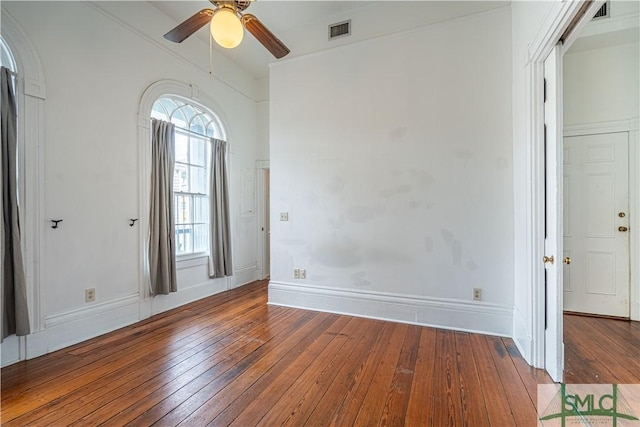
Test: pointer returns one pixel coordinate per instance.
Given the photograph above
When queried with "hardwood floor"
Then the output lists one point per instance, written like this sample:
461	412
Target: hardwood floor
233	360
601	351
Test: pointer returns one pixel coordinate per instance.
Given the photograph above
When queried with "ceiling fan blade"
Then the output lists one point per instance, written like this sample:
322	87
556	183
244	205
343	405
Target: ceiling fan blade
190	26
264	36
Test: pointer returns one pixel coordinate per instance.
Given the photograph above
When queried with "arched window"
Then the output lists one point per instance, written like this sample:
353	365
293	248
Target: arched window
6	58
15	309
195	125
19	55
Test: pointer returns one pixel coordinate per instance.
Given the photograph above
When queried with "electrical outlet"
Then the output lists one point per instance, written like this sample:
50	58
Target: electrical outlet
89	295
303	274
296	273
477	294
284	216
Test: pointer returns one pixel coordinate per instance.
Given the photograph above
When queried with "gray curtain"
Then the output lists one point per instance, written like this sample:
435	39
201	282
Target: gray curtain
220	240
15	316
162	253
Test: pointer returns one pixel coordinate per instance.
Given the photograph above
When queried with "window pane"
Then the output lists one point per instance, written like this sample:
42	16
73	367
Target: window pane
198	179
198	125
184	239
178	119
191	176
200	209
189	113
201	238
211	131
156	114
182	147
6	58
183	209
198	152
181	178
169	104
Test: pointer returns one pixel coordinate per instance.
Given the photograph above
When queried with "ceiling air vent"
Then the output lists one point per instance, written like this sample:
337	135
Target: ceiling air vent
603	12
340	29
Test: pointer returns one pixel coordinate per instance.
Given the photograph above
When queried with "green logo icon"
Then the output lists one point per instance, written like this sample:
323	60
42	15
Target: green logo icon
586	404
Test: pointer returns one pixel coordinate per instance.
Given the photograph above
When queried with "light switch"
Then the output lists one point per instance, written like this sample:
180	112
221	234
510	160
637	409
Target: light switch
284	216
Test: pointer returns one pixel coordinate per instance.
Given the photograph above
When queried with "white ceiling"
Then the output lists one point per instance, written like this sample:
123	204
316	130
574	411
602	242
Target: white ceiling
303	25
620	27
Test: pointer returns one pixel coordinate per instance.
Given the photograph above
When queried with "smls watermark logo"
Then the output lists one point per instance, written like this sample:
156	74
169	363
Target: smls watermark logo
616	405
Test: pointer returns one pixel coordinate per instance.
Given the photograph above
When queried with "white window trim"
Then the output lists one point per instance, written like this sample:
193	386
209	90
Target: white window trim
150	95
30	91
211	120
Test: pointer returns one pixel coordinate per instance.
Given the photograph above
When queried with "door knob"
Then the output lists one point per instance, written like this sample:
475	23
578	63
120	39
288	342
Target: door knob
566	260
548	259
623	228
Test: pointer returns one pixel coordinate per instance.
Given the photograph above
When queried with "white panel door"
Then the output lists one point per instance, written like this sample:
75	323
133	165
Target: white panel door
596	237
553	242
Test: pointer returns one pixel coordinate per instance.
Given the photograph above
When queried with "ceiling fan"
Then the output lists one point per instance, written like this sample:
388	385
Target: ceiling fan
227	22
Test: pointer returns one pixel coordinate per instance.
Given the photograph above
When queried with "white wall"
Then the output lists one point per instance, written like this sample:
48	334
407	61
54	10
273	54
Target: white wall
393	158
262	124
601	85
97	60
262	128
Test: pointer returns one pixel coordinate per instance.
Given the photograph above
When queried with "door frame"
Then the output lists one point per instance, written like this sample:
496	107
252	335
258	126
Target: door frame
261	217
564	21
634	209
632	128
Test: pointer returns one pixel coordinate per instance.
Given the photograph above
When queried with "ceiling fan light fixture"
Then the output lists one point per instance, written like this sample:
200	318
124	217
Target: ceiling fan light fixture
226	28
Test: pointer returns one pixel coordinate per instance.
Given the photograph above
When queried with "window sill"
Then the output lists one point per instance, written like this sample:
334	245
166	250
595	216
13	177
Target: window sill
192	260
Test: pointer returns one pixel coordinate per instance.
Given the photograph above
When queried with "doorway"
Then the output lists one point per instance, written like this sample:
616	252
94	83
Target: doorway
558	33
600	163
596	231
263	223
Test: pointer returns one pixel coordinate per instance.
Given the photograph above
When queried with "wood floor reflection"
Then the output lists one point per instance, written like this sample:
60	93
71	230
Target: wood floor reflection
233	360
601	351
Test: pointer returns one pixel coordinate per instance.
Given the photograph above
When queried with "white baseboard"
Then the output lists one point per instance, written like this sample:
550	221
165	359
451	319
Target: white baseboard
101	308
64	329
522	336
243	275
162	303
484	318
10	351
